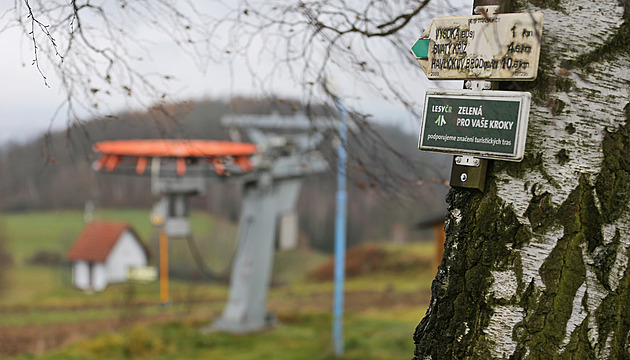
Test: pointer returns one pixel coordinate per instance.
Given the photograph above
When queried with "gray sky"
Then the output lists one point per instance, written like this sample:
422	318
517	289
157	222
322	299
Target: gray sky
27	105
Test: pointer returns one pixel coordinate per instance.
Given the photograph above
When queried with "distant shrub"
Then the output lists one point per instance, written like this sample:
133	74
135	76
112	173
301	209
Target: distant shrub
45	258
141	343
137	342
6	260
360	260
369	259
108	345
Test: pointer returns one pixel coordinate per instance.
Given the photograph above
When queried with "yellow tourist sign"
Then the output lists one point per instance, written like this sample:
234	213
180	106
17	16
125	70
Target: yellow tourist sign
494	47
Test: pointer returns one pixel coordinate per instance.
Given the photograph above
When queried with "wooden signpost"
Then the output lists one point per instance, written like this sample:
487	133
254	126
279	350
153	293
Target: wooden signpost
497	47
478	125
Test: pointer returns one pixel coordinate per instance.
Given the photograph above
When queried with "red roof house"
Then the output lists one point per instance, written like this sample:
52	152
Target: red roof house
103	254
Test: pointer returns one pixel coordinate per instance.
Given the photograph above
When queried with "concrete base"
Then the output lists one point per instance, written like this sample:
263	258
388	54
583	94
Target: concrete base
230	326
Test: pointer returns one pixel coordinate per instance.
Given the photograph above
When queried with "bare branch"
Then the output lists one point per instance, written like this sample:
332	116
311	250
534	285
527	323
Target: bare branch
96	50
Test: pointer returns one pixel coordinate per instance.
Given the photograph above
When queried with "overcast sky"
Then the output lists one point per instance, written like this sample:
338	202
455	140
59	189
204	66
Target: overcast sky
27	105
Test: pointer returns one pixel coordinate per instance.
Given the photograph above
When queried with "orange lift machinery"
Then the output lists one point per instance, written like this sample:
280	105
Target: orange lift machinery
179	169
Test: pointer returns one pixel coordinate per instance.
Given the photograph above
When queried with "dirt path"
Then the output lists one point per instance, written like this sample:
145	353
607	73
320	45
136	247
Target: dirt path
37	339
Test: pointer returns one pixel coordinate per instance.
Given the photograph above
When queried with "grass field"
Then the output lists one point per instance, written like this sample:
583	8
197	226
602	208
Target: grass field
301	337
42	317
56	231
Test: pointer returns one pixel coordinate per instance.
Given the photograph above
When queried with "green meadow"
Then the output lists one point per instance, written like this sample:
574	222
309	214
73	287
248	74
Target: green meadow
43	317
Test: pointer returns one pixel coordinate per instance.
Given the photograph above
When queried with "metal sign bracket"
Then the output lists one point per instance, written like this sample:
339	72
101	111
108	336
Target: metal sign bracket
469	172
478	85
465	160
487	9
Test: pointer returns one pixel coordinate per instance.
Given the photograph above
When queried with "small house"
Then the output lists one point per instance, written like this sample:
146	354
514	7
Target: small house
104	253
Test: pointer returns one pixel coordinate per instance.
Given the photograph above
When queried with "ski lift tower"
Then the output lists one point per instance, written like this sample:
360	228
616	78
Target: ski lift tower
286	154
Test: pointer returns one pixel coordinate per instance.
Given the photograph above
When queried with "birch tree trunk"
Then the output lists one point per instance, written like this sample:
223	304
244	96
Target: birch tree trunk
536	267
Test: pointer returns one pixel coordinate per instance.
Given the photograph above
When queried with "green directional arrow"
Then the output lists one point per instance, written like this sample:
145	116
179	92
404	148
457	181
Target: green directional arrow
421	48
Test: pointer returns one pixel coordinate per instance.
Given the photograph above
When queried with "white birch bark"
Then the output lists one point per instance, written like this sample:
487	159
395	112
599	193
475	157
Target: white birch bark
565	135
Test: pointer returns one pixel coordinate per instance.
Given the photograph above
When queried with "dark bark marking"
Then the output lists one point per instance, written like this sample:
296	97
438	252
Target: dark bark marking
613	183
617	45
464	277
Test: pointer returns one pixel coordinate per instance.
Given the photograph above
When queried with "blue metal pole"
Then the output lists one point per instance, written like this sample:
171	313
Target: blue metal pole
340	232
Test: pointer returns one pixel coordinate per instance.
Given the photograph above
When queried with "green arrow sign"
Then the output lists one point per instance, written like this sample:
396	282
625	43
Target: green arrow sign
421	48
485	124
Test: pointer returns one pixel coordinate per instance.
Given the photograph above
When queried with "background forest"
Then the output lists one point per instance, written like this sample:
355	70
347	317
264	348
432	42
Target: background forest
54	172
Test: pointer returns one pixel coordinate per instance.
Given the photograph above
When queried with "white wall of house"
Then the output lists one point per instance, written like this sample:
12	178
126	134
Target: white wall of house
85	278
127	253
81	274
99	276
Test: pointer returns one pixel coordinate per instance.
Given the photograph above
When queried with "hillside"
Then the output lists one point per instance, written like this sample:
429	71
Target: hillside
54	172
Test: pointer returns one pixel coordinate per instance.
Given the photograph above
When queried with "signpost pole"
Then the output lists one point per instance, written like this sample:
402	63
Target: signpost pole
504	4
340	233
463	174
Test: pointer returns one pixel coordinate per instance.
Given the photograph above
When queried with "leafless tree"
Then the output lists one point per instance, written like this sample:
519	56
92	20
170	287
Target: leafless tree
97	51
94	50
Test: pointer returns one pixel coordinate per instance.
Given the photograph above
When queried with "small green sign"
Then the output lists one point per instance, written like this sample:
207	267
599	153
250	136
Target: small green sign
421	48
485	124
